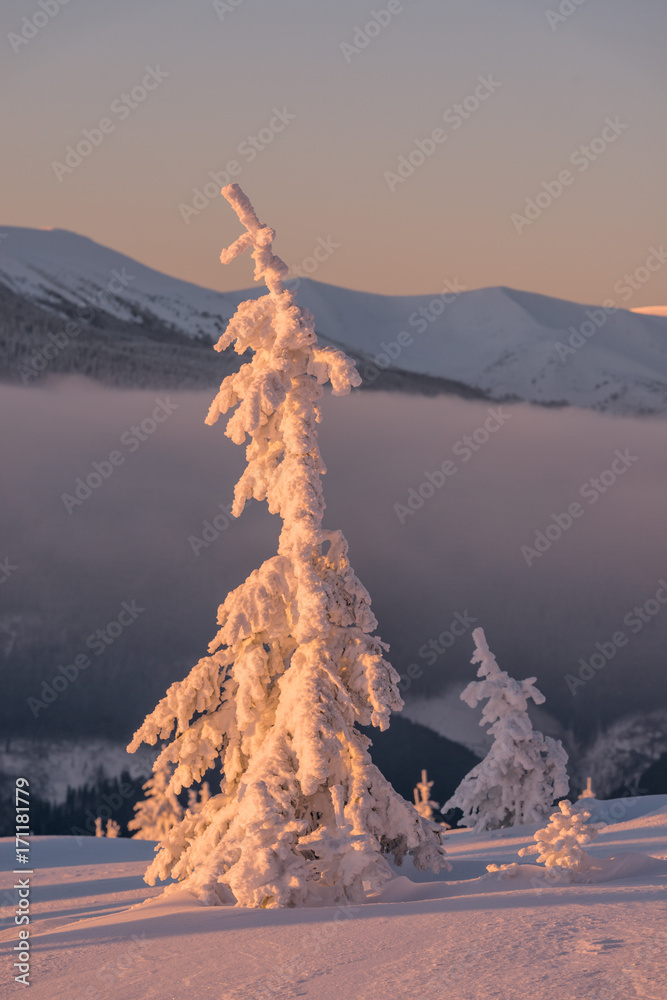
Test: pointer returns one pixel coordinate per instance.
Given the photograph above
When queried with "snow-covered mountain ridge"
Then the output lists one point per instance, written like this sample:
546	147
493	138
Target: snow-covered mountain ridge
496	342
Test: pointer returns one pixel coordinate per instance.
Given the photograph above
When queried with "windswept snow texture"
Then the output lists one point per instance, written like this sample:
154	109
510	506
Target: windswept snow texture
99	933
496	341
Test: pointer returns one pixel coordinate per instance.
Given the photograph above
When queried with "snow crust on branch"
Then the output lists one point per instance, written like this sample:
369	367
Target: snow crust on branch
524	771
303	815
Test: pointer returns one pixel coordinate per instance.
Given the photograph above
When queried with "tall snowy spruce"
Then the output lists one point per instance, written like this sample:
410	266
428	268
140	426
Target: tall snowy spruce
303	816
524	771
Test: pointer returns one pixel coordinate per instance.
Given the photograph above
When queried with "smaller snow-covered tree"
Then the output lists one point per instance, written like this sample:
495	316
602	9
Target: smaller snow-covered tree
159	812
558	845
112	828
588	792
524	771
423	803
197	800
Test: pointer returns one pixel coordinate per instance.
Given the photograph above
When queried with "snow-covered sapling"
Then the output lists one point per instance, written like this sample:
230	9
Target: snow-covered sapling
112	828
423	802
302	815
524	771
559	845
197	800
159	811
588	792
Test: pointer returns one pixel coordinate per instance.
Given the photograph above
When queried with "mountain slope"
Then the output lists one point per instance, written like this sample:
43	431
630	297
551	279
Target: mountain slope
493	343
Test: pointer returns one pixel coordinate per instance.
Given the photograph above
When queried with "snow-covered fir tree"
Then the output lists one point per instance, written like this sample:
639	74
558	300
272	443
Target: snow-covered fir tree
423	802
159	811
588	792
303	815
112	828
524	771
559	844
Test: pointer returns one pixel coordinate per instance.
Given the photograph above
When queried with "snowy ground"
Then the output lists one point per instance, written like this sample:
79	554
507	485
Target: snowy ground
97	931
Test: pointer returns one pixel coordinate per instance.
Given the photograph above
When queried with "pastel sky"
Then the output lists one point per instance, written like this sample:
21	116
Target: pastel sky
333	106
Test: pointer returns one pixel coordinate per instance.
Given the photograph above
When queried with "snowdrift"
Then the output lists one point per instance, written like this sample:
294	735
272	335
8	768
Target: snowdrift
98	931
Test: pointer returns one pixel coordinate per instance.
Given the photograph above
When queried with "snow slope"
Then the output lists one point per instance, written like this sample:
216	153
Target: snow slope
53	265
496	341
98	931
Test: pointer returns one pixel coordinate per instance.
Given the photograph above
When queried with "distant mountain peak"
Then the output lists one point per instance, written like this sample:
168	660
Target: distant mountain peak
497	342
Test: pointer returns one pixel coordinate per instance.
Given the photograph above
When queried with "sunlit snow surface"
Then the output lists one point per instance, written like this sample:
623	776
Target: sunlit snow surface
99	931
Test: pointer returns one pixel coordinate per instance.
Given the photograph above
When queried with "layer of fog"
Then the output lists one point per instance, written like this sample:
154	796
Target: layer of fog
459	553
